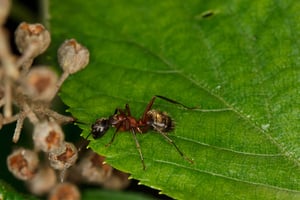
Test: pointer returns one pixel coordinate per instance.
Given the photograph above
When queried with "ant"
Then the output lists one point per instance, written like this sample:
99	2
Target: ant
151	119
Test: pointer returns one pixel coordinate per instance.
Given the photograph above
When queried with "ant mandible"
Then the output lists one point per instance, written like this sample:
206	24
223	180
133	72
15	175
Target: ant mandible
151	119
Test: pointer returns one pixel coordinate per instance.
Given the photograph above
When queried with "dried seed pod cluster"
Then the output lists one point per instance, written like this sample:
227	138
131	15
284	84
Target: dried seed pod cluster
32	88
26	92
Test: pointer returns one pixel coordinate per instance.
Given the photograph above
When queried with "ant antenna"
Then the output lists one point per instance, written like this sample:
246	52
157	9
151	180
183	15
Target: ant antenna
175	102
83	142
193	108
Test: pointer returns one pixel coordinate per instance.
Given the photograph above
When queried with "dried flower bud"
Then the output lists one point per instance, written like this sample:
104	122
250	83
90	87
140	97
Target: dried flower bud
4	10
64	157
119	180
93	170
22	163
64	191
72	56
43	181
48	136
40	83
32	37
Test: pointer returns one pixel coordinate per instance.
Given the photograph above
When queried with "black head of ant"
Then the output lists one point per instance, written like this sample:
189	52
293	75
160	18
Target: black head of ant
100	127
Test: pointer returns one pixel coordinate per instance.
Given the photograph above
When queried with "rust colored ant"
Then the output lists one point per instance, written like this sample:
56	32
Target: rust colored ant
151	119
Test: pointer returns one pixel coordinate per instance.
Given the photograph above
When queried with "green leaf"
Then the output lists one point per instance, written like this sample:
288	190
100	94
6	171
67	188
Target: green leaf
237	60
8	193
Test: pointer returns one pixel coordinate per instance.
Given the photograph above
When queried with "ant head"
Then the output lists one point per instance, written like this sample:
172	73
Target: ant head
100	127
160	121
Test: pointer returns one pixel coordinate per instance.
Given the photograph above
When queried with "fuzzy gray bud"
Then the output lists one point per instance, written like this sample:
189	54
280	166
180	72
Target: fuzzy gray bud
72	56
32	37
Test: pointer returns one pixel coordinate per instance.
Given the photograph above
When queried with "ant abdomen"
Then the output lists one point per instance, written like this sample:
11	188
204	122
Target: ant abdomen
160	121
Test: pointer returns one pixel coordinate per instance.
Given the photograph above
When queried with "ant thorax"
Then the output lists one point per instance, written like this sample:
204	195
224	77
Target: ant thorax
117	119
160	121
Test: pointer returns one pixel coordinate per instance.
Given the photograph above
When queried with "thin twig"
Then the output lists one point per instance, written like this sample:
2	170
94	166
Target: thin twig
7	98
62	78
26	60
30	114
8	120
2	102
19	126
61	119
8	63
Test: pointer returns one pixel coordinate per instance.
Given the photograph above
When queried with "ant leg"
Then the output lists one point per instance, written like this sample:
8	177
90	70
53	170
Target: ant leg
144	116
113	138
128	110
138	147
176	147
